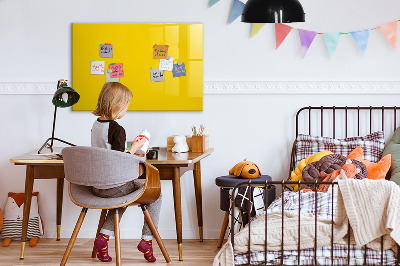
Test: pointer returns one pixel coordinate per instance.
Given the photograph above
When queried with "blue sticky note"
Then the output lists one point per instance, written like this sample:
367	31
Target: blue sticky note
178	70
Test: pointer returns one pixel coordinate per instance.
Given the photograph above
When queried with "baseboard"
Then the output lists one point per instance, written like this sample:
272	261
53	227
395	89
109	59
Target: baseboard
245	87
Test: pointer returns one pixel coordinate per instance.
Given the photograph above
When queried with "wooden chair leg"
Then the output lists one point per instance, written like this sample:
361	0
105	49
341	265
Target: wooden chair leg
101	222
117	238
73	237
223	229
154	230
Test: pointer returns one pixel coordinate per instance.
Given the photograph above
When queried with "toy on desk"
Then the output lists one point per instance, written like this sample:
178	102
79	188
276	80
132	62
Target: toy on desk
144	134
180	144
13	216
245	169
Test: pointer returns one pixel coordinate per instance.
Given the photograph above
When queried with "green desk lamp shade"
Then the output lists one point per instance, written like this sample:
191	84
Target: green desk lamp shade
63	97
272	11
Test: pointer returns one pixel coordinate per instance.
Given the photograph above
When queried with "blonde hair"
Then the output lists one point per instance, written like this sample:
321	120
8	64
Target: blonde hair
113	97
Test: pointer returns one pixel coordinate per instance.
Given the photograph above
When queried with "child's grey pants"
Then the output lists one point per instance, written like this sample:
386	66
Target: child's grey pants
154	208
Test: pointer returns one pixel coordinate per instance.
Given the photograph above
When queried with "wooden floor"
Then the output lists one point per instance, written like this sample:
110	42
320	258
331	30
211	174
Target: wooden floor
50	252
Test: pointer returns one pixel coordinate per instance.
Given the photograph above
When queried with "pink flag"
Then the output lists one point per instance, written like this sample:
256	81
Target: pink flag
389	30
306	39
281	31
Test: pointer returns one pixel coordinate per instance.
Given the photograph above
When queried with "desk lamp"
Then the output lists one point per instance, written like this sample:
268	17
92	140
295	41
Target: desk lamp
63	97
273	11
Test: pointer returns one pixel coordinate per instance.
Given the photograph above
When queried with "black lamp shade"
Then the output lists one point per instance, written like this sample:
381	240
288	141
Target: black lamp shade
273	11
60	101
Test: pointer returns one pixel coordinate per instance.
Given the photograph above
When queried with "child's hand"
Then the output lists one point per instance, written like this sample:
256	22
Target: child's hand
142	155
137	144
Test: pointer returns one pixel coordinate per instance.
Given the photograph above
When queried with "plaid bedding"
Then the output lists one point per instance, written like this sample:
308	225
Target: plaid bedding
323	207
372	145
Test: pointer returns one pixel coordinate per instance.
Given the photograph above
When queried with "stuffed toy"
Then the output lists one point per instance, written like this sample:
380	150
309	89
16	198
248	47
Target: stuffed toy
375	170
296	174
13	215
245	169
180	144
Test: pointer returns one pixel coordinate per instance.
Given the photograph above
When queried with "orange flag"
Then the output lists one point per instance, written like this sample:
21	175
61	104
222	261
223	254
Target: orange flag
389	30
281	31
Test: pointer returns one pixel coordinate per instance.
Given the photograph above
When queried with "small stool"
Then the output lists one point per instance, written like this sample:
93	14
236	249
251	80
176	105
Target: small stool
226	183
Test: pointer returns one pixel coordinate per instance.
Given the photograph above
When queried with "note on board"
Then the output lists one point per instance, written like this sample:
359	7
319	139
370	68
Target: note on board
106	50
156	75
179	70
167	64
110	79
160	51
117	70
97	67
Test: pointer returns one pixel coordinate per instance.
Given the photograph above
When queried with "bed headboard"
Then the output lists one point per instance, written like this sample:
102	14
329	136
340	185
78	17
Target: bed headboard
344	121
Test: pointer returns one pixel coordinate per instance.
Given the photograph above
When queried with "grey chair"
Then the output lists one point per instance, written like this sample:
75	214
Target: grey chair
85	167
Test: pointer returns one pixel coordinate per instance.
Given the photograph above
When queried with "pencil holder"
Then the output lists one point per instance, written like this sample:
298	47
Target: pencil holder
200	143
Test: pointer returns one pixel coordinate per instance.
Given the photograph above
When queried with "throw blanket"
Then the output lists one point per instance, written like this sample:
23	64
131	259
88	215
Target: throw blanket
371	206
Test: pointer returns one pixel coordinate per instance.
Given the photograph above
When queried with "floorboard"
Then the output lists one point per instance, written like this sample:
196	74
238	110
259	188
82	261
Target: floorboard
50	252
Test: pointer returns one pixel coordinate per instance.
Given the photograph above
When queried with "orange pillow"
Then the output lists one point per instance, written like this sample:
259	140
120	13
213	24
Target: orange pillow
375	170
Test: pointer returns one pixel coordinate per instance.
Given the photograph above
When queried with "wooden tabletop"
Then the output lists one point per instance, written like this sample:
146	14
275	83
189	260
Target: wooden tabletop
164	157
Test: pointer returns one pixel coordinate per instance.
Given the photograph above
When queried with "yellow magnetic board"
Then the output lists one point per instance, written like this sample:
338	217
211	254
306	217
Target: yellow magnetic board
133	47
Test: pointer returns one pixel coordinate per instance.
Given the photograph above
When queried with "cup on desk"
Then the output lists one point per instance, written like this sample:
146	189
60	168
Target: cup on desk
152	155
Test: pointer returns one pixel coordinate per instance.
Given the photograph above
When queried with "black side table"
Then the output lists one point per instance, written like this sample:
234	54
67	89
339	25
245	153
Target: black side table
226	183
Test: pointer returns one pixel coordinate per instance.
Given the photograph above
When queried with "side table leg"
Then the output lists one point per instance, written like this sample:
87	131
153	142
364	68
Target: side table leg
27	206
176	184
223	229
60	191
199	204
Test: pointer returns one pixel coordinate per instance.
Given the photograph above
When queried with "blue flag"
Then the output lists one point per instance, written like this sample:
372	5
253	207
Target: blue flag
332	41
237	9
213	2
361	38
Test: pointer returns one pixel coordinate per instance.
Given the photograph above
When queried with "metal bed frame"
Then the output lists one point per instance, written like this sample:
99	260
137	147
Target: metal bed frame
283	184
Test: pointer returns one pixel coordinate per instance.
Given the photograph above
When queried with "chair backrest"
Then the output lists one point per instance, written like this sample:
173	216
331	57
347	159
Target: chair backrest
92	166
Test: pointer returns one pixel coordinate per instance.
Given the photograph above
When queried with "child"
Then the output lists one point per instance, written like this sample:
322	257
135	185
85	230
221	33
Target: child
106	133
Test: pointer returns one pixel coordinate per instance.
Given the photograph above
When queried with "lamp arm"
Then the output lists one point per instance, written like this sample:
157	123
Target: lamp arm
54	126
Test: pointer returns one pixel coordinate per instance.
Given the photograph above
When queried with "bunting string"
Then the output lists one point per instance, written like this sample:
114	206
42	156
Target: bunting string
361	37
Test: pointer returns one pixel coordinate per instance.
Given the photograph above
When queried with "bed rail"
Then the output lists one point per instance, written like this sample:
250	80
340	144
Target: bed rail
342	119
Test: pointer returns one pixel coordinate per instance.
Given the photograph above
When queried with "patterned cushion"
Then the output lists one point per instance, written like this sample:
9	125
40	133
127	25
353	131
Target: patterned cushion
372	144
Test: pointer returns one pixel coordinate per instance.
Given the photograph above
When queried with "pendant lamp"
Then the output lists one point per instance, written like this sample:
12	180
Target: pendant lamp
273	11
63	97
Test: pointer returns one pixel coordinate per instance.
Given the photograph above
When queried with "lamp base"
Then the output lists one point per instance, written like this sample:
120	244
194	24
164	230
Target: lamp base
50	146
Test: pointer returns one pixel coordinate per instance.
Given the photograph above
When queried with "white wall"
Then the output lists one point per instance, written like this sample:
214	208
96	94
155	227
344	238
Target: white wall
36	47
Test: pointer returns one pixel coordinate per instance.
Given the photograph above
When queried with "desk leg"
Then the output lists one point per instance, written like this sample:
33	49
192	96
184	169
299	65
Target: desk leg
176	182
60	190
199	204
27	206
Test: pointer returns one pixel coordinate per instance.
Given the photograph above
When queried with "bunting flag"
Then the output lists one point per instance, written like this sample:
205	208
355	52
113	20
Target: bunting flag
389	30
361	37
256	27
213	2
281	31
306	39
237	9
332	41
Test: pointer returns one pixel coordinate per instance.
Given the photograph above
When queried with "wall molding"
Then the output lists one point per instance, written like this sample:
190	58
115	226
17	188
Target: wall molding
246	87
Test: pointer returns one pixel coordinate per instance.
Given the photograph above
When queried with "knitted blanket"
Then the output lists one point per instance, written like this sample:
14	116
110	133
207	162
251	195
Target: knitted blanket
371	207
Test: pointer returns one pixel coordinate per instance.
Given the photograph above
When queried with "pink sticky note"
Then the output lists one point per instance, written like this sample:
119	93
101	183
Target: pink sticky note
117	70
